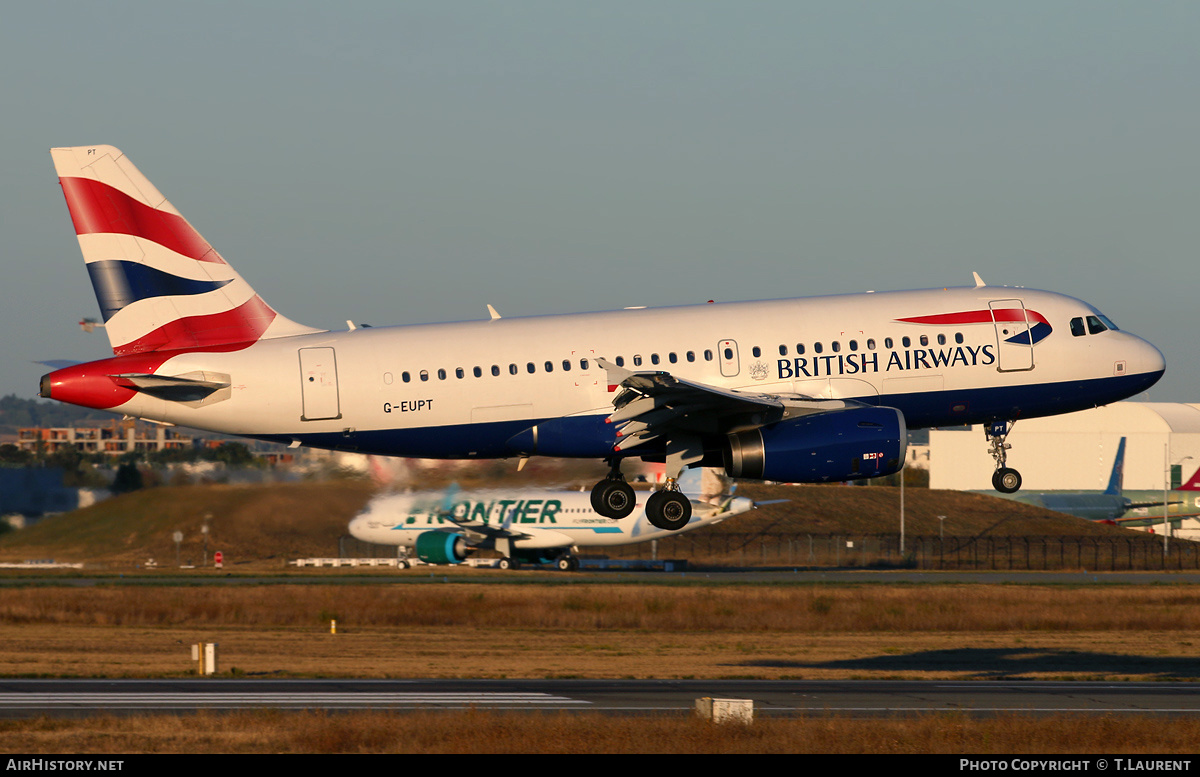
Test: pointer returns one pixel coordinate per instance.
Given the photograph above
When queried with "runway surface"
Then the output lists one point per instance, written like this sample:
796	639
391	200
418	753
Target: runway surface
74	698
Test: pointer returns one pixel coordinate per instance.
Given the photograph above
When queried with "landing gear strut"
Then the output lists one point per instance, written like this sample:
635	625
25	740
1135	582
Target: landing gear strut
613	497
1004	479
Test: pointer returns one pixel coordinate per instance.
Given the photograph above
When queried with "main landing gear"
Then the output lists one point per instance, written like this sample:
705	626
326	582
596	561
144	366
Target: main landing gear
1004	479
668	509
613	497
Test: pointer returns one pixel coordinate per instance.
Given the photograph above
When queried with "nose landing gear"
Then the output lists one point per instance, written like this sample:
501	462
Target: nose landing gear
1005	479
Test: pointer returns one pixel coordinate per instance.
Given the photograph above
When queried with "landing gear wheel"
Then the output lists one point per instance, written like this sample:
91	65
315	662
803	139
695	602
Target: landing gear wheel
566	564
668	510
507	563
613	499
1006	481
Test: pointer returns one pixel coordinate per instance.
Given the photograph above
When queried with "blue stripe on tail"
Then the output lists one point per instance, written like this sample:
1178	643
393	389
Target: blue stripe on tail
119	283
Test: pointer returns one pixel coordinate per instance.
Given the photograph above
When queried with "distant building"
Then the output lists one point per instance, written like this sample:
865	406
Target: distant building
116	439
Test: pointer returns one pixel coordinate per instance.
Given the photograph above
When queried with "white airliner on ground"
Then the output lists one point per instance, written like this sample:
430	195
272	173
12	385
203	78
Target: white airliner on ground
801	390
532	526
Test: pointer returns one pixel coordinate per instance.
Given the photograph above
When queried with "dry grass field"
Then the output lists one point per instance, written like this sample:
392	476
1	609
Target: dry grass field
503	630
478	732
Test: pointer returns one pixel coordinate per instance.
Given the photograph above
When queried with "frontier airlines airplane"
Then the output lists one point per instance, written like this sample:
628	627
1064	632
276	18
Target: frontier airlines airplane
800	390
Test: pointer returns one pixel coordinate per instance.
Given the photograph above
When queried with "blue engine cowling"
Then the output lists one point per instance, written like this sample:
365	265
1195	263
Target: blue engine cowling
439	547
856	442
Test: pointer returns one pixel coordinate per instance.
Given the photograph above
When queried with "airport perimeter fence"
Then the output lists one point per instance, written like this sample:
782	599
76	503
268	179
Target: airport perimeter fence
924	552
882	551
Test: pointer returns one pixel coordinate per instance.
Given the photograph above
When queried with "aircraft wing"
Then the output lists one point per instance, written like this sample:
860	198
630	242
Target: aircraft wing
478	532
653	404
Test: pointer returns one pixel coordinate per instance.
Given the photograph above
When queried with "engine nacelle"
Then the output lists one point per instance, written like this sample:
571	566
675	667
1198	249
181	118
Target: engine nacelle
439	547
857	442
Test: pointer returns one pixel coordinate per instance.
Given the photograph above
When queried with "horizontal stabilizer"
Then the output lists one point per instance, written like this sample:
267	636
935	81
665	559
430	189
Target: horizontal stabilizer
191	387
58	364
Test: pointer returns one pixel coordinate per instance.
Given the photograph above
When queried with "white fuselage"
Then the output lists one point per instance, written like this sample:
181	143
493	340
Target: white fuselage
462	390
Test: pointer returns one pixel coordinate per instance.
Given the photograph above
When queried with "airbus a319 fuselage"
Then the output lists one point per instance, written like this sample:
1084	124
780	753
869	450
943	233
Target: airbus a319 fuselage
798	390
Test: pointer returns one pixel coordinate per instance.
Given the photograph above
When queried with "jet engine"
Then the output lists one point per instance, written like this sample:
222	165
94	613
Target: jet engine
439	547
856	442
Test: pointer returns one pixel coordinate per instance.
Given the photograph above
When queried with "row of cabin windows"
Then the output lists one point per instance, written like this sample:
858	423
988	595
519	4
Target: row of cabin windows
513	369
548	366
673	358
852	345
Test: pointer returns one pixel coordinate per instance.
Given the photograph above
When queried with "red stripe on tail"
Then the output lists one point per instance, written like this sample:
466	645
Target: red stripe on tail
97	208
230	330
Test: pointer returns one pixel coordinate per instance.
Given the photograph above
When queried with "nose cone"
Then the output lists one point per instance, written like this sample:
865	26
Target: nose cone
358	527
1145	362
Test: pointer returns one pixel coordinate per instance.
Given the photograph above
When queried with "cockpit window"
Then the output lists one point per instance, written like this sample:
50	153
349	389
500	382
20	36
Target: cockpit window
1095	326
1077	327
1107	322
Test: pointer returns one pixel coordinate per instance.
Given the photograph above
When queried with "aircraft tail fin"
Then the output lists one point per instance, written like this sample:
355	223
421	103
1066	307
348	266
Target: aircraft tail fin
160	285
1193	483
1116	480
704	484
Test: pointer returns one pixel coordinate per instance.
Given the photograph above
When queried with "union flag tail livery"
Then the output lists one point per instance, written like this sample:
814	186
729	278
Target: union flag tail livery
794	390
160	285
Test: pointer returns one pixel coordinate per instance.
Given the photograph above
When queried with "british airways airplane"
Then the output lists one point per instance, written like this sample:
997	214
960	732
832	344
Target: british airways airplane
799	390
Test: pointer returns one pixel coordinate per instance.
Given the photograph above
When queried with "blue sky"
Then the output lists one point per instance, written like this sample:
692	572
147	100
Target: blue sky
405	162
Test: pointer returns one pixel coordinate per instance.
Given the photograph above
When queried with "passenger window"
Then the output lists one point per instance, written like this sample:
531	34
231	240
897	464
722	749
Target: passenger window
404	376
637	360
566	365
441	374
530	368
853	345
728	354
671	357
799	349
887	342
620	361
424	375
495	370
817	347
691	356
836	346
654	358
941	339
708	355
756	351
783	350
549	366
870	344
512	369
905	341
958	338
924	339
477	372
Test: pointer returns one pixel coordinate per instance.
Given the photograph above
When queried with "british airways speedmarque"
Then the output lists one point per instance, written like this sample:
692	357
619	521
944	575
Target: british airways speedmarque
799	390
